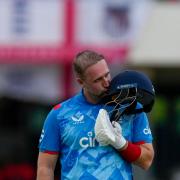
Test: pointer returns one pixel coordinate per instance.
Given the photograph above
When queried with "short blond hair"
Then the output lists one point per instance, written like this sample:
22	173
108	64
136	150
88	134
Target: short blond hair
85	59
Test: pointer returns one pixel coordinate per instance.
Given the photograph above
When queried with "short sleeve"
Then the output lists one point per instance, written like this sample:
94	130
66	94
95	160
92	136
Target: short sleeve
50	135
141	129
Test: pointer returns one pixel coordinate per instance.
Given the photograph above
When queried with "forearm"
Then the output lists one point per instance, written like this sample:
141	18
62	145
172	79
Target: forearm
46	166
146	158
44	173
140	155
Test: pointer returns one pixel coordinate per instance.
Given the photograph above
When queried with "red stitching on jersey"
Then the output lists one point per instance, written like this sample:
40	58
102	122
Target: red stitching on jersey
51	152
57	106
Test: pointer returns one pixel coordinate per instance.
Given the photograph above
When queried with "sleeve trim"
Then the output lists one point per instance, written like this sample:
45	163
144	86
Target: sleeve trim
50	152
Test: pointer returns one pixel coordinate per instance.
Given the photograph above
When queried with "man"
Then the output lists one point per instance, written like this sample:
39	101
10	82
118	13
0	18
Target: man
68	132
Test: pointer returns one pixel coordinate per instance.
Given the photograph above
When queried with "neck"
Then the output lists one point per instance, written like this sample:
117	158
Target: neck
91	98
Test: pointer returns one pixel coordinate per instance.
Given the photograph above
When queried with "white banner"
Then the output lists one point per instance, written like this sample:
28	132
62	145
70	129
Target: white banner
109	23
34	22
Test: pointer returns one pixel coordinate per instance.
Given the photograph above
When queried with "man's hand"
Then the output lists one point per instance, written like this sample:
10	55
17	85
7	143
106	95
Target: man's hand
107	133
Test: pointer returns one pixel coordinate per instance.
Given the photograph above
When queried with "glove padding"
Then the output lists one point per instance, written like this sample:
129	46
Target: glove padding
107	133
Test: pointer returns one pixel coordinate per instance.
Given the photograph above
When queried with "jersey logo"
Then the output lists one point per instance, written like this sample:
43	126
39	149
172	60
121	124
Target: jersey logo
147	130
78	118
88	141
42	136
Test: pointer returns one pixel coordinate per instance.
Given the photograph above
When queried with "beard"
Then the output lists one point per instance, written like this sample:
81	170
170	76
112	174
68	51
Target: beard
100	96
103	94
95	97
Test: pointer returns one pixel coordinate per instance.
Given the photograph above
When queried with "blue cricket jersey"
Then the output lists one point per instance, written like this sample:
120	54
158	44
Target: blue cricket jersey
69	131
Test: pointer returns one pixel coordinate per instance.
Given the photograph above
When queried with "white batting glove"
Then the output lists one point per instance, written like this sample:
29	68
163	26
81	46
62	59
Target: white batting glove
107	133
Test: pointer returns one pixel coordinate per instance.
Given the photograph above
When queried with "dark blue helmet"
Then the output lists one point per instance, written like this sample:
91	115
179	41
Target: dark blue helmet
131	87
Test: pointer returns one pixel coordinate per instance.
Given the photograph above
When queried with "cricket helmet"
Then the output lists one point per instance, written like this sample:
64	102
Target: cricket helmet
130	87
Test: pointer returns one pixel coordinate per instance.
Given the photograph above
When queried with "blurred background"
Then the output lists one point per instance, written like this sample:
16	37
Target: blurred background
38	41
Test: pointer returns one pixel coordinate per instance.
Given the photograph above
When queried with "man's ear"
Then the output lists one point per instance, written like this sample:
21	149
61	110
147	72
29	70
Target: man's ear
80	81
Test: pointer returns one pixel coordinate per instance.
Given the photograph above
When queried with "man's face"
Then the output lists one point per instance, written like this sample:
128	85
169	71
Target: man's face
96	81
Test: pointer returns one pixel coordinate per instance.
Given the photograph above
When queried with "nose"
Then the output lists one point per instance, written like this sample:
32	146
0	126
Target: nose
106	82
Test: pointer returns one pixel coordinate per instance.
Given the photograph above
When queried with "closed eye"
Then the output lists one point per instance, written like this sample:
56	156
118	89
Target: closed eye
100	78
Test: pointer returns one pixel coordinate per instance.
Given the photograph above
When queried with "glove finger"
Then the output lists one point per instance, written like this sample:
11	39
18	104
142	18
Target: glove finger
103	124
100	120
117	127
103	138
